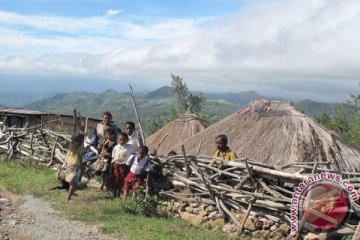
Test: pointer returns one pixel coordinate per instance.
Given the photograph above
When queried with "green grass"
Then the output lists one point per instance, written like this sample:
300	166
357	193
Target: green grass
93	206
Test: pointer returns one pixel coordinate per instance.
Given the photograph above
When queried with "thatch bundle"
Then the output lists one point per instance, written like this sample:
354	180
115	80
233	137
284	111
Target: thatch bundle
175	132
275	133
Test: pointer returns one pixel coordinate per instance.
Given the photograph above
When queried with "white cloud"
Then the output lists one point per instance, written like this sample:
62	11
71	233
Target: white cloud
112	12
293	48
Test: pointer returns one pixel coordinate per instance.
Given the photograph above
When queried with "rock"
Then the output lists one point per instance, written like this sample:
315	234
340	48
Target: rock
239	215
231	228
284	229
192	218
214	215
210	209
273	228
189	209
194	205
261	234
311	236
218	223
4	201
252	218
250	225
259	225
278	237
177	205
162	210
13	222
270	222
203	213
183	206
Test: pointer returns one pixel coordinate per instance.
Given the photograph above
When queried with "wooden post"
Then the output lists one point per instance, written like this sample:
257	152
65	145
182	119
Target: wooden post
185	161
137	116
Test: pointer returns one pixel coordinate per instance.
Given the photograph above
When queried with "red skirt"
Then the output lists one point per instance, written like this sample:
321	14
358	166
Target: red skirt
120	172
132	180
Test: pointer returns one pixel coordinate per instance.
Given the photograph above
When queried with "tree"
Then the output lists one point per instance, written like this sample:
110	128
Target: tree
345	121
184	97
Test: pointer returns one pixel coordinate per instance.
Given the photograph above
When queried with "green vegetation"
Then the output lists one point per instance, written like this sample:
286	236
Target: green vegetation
96	207
154	111
184	97
160	106
345	121
312	108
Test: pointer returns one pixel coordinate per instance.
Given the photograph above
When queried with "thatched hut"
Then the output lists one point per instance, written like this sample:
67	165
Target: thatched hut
175	132
277	134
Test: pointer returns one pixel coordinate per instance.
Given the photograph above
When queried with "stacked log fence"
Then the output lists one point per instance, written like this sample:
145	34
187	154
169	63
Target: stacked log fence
244	185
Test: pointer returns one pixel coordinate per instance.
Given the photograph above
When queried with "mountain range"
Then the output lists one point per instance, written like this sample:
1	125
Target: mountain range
157	106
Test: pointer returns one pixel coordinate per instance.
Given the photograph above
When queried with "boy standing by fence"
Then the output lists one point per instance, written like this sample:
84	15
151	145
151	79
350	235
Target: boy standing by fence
139	169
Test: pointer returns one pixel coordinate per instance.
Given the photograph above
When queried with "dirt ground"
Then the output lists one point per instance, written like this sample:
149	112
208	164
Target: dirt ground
28	218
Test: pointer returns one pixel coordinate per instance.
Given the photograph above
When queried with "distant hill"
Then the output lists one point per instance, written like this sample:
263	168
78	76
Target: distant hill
312	108
155	107
150	105
163	92
242	98
18	99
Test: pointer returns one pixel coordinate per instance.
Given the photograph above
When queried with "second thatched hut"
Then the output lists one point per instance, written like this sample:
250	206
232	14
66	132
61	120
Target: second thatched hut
175	132
275	133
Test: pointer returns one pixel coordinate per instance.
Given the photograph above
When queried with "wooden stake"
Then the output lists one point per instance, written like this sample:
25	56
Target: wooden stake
137	116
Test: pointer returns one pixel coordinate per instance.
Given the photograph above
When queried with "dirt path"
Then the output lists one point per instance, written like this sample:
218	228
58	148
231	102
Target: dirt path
28	218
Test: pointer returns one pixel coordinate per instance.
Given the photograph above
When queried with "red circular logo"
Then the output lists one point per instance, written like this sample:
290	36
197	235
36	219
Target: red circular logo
325	205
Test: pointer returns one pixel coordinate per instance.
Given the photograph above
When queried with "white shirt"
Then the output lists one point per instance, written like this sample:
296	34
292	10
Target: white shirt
121	153
134	139
136	167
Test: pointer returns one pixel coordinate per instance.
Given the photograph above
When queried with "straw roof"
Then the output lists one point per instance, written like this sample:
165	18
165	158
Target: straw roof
175	132
277	134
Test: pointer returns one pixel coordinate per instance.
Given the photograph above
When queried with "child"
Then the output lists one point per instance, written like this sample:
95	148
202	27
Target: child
132	134
73	158
120	154
139	169
105	147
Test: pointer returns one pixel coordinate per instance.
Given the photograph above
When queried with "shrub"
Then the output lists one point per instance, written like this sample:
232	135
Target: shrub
142	205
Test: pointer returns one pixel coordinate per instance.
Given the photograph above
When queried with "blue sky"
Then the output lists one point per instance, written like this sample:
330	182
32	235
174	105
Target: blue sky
288	48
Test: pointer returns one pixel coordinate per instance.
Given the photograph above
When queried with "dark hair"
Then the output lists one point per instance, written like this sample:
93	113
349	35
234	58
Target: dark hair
143	149
107	113
124	135
223	138
109	130
130	124
76	141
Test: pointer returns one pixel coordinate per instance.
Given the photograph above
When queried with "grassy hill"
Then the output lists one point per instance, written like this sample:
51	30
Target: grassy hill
156	108
312	108
153	110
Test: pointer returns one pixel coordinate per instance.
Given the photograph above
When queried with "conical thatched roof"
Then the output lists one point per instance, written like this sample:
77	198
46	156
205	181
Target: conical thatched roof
277	134
178	130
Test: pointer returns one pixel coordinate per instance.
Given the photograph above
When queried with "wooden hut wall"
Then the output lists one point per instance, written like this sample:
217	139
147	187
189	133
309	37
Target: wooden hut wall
65	123
20	120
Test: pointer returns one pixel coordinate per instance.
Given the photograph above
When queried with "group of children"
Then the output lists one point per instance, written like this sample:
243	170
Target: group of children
122	161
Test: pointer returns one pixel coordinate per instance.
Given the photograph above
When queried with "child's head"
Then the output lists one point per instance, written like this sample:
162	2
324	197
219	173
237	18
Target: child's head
221	142
129	128
110	133
77	140
142	151
122	138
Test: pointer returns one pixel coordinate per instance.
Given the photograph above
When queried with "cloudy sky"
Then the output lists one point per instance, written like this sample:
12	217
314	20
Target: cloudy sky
288	48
